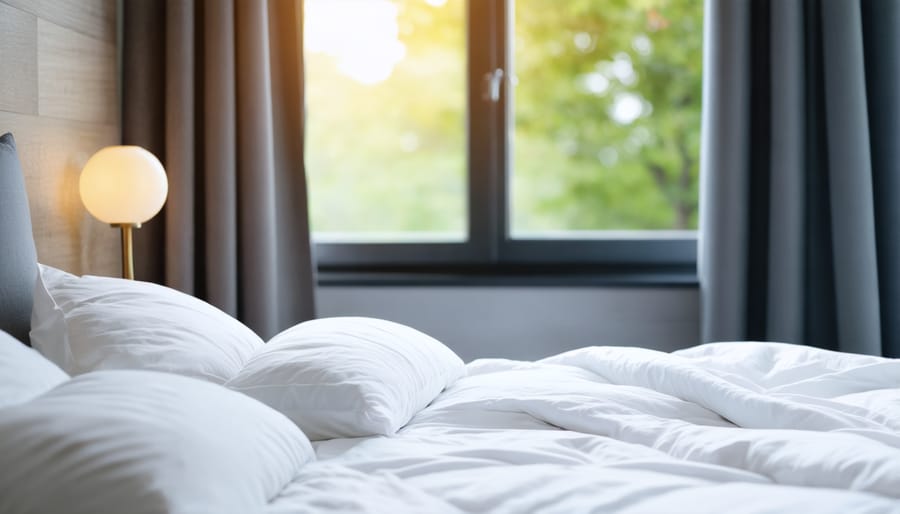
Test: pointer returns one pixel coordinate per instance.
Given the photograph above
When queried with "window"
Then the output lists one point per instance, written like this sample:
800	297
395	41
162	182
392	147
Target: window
503	132
386	95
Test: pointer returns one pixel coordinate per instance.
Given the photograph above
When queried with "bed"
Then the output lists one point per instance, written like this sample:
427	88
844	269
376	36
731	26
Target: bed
728	427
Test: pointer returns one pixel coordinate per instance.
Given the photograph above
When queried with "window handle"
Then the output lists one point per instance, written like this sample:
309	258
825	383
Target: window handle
493	84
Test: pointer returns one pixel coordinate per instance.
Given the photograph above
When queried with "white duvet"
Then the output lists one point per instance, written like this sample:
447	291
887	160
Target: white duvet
736	428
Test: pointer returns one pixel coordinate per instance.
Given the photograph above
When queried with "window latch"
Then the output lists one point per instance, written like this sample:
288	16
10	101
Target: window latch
493	83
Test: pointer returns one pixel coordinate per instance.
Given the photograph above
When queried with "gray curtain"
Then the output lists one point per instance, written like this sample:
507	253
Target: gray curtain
800	166
215	89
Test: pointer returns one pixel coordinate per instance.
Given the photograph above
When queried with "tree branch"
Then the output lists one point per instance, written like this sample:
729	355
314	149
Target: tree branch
663	182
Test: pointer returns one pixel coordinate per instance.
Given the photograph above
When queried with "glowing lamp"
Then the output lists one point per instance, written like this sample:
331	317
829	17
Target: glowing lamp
124	186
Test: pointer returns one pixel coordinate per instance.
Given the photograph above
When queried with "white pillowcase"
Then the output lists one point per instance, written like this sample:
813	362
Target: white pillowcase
24	373
145	442
349	377
90	323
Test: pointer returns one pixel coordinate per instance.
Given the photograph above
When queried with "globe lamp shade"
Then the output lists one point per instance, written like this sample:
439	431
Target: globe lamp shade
123	185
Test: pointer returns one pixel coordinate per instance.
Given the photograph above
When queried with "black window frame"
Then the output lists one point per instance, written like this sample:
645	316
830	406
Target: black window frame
490	248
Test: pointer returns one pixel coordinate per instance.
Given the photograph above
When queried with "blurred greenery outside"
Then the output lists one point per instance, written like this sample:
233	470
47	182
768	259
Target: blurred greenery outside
606	110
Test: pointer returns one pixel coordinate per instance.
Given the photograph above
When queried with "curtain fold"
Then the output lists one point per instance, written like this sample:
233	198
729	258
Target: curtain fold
799	175
215	89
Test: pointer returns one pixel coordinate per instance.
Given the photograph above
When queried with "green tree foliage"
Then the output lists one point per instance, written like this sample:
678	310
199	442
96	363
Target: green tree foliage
585	159
606	120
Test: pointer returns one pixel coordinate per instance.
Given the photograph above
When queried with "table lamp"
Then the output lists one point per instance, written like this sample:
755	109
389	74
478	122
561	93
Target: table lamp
124	186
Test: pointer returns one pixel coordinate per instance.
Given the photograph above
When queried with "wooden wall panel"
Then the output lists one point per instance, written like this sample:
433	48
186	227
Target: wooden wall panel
95	18
18	55
75	82
53	153
71	111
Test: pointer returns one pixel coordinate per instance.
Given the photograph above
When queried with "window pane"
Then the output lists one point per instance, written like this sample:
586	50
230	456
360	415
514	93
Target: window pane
607	116
385	96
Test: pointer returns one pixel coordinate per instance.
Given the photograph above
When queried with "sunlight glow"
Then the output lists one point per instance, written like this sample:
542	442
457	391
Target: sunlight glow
622	69
627	108
361	35
595	83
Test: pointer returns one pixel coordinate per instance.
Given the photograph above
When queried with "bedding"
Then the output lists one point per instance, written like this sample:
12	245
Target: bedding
145	442
732	427
736	427
90	323
349	377
24	373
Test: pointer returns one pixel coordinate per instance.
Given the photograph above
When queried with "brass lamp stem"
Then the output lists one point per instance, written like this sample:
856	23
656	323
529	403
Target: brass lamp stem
127	253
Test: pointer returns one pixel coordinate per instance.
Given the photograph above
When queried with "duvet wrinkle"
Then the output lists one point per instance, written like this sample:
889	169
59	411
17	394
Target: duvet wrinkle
752	428
628	410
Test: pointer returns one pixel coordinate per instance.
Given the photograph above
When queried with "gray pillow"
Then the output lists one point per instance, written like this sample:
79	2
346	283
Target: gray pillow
18	259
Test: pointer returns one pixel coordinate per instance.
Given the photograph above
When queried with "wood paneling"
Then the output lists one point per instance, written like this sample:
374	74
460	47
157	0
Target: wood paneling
94	18
53	153
75	82
69	112
18	55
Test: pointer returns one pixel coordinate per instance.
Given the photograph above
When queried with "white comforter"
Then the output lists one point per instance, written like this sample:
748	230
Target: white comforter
737	428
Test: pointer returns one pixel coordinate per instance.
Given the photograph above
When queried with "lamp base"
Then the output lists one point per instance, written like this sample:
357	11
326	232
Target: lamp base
127	246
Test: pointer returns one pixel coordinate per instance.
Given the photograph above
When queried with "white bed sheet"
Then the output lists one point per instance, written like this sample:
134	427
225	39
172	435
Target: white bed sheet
737	428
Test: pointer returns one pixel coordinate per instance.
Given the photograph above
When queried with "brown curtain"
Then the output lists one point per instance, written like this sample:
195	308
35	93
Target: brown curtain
215	89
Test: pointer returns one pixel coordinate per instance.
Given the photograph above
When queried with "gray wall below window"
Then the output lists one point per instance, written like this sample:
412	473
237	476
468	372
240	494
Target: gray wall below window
528	322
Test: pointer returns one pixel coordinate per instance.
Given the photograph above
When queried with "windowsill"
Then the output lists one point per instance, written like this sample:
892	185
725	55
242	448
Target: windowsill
530	276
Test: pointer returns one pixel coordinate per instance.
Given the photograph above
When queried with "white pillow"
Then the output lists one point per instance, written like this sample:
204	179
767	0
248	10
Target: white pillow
349	377
89	323
145	442
24	373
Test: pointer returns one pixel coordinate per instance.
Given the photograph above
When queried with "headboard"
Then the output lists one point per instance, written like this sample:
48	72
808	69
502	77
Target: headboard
18	258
